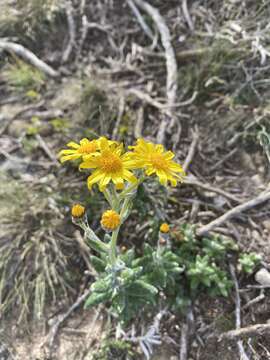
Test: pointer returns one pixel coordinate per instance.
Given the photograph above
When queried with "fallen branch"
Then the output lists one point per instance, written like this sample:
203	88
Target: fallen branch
248	331
263	197
171	64
28	56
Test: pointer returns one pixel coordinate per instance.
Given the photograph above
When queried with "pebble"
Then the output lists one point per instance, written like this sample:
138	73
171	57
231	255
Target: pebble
263	277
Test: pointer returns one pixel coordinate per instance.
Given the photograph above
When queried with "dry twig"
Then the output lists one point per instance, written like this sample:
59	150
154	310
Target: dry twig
192	149
139	123
192	180
248	331
72	32
46	149
28	56
140	19
186	15
171	65
263	197
243	355
185	333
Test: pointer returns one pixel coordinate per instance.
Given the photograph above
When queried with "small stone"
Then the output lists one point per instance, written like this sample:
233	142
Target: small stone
266	224
263	277
257	180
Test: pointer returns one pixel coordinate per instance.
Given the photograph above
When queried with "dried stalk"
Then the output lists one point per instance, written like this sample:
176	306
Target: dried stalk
171	65
28	56
263	197
72	32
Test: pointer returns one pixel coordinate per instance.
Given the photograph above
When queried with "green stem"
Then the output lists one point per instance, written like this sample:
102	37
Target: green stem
108	197
132	187
115	200
113	244
93	237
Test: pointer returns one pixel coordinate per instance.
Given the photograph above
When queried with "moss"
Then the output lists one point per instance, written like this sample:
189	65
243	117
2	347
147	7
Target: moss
24	78
60	125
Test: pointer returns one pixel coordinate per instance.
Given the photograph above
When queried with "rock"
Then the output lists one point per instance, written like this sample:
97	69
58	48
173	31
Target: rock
263	277
257	180
266	224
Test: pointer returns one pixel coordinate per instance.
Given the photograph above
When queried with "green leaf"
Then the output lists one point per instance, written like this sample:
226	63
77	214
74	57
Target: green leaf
97	298
147	287
98	264
102	285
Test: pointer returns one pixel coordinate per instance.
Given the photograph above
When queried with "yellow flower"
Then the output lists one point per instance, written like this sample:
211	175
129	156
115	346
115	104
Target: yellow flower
154	159
77	211
110	220
110	165
164	228
86	147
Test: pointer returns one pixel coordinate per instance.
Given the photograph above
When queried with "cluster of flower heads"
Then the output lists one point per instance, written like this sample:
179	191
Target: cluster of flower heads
110	163
110	219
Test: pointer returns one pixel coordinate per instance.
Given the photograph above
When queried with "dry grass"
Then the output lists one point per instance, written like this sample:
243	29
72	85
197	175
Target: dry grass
34	264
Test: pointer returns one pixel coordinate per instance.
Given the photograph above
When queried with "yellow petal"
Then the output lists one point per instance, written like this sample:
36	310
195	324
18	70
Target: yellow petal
129	176
84	141
68	152
89	164
104	182
69	157
94	178
73	145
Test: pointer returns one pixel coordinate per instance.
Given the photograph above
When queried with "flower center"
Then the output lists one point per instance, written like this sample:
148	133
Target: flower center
158	162
87	148
111	163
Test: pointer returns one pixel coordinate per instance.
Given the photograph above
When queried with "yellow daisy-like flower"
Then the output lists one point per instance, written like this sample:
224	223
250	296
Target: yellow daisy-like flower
77	151
110	220
154	159
110	164
164	228
77	211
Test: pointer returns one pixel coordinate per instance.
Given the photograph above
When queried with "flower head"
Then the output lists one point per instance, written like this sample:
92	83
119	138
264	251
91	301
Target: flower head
110	164
154	159
164	228
76	151
77	211
110	220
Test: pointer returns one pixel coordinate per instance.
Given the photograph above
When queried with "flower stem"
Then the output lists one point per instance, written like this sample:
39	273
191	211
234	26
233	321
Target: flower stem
108	197
113	244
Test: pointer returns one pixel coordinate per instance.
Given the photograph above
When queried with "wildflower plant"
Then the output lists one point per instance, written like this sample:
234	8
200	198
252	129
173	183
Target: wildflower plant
178	267
129	282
